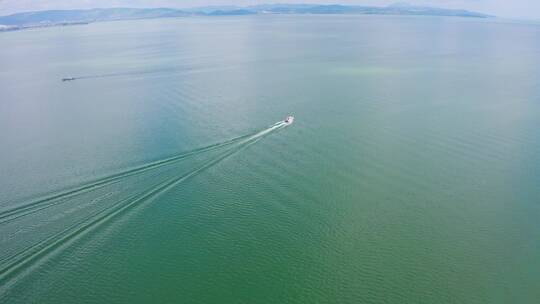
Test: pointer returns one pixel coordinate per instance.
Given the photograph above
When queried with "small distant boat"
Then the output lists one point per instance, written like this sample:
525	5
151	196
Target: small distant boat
289	120
68	79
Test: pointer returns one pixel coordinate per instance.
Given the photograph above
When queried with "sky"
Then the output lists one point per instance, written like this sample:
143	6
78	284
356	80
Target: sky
525	9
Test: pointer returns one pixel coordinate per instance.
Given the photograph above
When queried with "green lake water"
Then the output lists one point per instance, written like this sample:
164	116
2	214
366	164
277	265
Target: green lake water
161	174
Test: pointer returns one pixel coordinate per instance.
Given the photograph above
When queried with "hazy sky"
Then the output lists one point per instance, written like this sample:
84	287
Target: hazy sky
505	8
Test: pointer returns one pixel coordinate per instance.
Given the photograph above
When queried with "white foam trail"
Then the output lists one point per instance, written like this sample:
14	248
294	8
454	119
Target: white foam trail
23	261
54	199
273	127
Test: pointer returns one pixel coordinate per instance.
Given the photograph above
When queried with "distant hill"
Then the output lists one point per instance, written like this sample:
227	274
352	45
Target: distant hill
394	9
68	17
91	15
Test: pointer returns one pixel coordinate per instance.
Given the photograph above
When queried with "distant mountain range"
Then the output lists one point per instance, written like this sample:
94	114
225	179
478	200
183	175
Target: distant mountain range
70	17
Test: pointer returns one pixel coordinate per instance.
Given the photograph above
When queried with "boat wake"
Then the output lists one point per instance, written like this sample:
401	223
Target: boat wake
156	71
39	229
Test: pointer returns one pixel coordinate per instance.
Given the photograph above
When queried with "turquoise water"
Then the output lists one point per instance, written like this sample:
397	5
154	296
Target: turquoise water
410	174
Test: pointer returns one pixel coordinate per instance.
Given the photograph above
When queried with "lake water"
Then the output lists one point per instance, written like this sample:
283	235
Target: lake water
410	175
